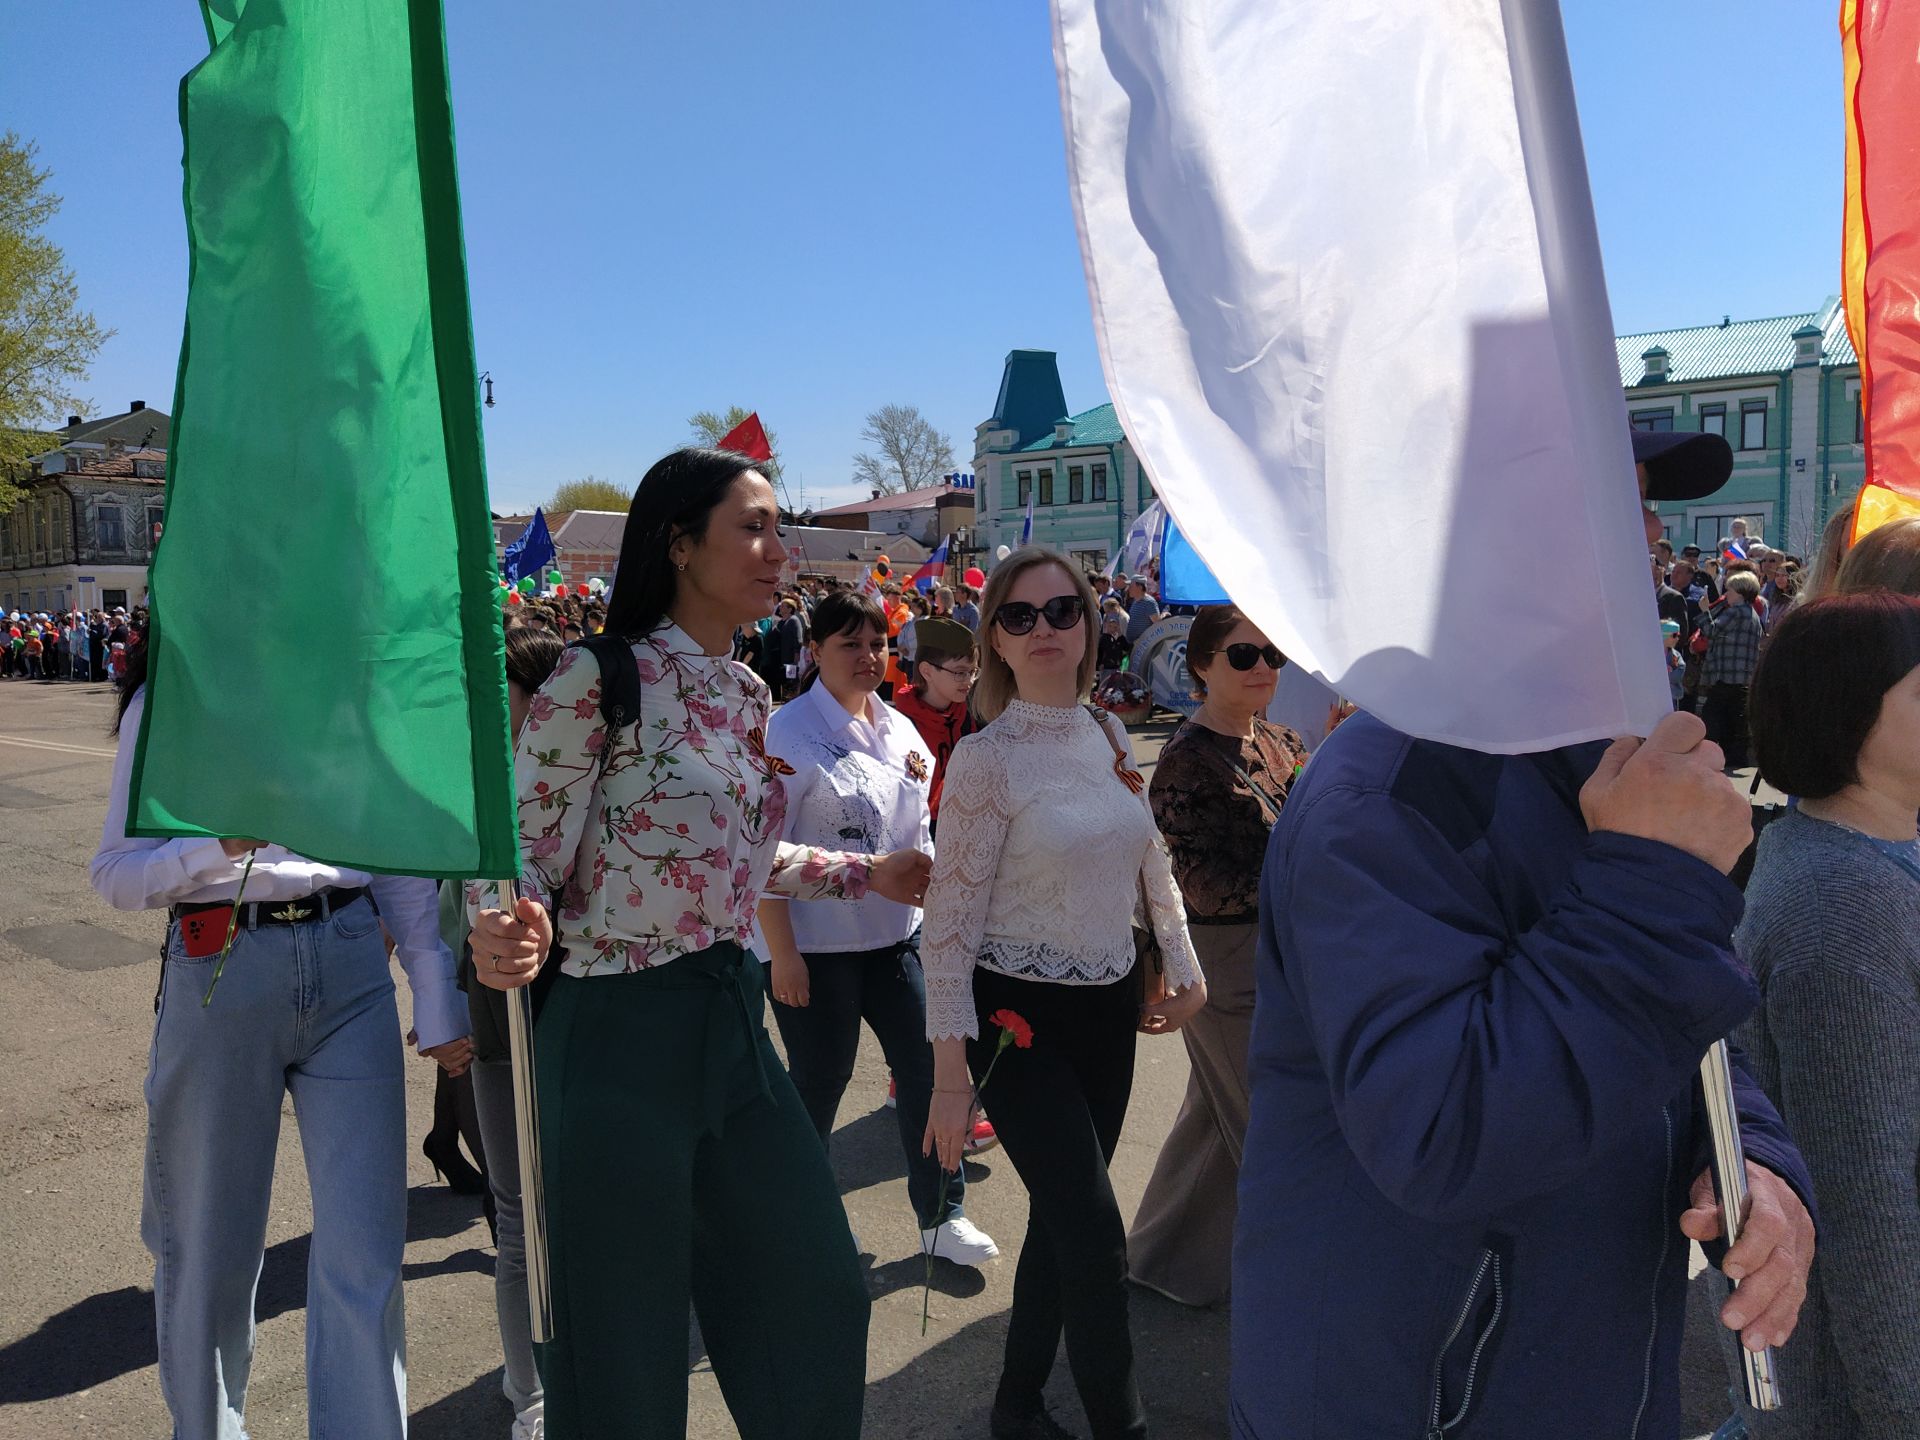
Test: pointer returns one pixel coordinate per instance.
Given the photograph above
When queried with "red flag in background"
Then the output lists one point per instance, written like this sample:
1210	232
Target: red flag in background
1881	247
749	439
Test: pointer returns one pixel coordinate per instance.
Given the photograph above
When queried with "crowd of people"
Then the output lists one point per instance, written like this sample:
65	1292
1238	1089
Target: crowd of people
85	645
1442	1171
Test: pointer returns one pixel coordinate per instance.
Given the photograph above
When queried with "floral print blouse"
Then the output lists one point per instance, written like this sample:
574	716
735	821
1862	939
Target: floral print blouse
660	841
1215	798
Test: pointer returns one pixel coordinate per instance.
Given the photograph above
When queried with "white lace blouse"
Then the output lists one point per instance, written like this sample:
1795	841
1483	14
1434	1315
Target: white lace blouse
1043	851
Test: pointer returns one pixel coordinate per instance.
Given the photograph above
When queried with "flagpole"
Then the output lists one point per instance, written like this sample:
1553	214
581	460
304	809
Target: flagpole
526	1134
1730	1182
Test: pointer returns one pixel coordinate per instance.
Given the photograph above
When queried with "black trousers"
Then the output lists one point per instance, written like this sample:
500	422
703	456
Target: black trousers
886	988
1058	1108
1725	715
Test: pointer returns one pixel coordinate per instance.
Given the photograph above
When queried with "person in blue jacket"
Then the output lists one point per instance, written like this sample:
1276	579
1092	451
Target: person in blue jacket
1477	1149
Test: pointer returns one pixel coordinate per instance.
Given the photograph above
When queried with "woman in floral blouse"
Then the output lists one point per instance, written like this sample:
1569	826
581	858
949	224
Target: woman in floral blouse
659	840
1216	792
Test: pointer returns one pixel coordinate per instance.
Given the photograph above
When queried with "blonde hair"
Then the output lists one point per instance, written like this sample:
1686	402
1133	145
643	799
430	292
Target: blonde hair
995	689
1885	558
1744	583
1827	559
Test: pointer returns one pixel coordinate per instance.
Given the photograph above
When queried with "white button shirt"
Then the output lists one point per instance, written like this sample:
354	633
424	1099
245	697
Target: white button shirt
144	873
858	784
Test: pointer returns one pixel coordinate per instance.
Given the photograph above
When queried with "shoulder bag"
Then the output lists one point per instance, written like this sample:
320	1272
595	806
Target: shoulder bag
1149	965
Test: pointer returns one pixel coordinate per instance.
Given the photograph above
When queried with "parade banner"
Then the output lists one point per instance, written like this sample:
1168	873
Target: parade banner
1880	247
327	665
1347	289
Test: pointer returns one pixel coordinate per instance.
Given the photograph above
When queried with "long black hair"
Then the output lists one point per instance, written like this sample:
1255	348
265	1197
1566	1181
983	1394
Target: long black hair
676	497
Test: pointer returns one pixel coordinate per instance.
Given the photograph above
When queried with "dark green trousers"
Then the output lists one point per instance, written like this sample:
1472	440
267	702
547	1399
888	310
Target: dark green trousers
681	1166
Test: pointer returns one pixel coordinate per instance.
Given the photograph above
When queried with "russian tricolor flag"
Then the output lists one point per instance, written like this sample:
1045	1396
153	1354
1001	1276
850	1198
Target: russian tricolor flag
933	572
1734	550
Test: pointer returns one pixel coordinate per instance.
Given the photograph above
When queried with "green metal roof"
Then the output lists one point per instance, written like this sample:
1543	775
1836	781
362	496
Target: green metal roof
1732	348
1030	395
1098	426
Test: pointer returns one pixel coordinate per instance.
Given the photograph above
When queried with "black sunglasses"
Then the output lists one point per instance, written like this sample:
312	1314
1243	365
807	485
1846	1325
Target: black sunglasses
1242	656
1063	612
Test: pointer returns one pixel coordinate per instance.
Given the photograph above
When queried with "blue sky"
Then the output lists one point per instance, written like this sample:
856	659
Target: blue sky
817	210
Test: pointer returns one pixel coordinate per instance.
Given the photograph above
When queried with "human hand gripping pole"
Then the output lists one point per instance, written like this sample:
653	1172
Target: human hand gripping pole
1671	787
509	945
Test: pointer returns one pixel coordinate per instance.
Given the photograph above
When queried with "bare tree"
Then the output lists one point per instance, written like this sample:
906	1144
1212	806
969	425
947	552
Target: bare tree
913	455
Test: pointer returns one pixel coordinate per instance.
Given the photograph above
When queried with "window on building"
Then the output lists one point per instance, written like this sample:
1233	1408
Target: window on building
1859	419
1025	477
1713	420
1076	484
1090	561
113	600
39	525
155	515
1753	424
1099	477
1653	419
110	528
1046	487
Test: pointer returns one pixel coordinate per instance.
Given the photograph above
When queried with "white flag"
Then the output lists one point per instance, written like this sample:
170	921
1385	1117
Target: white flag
1348	297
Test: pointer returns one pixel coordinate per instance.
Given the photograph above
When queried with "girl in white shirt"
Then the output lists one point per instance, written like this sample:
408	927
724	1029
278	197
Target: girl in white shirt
861	781
1046	843
305	1007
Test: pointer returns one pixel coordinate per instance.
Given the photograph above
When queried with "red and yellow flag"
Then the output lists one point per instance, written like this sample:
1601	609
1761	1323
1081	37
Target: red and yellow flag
1880	247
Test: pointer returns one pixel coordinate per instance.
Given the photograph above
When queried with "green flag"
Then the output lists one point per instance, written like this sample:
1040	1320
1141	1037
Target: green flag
327	669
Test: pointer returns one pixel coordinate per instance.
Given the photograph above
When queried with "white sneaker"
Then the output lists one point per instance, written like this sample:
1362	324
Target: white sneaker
531	1423
961	1241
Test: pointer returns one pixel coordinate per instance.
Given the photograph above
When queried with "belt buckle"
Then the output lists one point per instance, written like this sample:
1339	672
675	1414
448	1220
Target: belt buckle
295	912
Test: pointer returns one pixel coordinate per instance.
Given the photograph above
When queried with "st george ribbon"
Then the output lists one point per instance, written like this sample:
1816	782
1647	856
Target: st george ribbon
1347	289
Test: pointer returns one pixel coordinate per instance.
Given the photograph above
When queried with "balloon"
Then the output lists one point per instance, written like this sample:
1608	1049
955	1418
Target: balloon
513	597
975	576
1003	552
554	577
526	585
560	591
596	585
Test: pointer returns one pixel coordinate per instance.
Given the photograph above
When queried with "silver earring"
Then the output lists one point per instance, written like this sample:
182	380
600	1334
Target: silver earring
680	565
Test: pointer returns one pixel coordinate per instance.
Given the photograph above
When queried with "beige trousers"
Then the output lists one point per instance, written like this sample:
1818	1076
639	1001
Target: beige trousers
1182	1239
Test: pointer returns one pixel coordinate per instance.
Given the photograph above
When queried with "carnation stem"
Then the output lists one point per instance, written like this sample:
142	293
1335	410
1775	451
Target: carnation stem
233	927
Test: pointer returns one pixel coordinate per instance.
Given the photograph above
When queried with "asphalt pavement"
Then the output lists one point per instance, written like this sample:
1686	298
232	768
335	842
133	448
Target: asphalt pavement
76	1306
76	1303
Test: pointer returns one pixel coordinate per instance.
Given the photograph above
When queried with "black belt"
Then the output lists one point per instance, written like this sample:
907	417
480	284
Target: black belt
319	906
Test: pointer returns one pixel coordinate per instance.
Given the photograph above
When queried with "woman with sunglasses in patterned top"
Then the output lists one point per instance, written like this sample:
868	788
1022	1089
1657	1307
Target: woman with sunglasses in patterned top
1216	793
1046	843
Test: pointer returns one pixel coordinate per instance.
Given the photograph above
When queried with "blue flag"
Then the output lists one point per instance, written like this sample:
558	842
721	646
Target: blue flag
531	554
1026	527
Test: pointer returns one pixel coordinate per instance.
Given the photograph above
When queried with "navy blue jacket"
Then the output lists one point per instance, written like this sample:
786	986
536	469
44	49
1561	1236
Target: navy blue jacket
1475	1117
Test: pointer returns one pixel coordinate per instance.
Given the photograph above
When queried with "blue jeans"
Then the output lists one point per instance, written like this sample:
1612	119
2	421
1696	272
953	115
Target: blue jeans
885	988
303	1009
493	1100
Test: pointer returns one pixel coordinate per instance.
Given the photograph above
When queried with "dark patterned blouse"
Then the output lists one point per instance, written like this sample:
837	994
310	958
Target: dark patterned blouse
1216	798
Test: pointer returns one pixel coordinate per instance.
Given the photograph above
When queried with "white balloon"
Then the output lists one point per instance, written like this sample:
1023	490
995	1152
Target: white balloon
1003	552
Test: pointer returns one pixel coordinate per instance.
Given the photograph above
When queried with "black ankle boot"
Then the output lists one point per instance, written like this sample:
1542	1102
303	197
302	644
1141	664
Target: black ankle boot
1008	1424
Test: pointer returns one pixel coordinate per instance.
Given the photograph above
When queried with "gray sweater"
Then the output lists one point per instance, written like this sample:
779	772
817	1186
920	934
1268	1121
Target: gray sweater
1832	931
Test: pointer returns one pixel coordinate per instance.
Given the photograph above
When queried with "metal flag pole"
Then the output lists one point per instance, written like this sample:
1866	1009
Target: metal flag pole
526	1134
1730	1181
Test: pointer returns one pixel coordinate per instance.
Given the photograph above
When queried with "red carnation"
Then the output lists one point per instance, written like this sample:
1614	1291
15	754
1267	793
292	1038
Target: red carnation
1014	1024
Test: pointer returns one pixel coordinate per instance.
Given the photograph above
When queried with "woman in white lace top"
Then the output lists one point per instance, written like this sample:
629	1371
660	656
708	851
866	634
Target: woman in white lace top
1046	846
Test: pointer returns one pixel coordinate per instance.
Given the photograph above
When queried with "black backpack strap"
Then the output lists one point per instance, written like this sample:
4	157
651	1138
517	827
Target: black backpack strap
619	678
